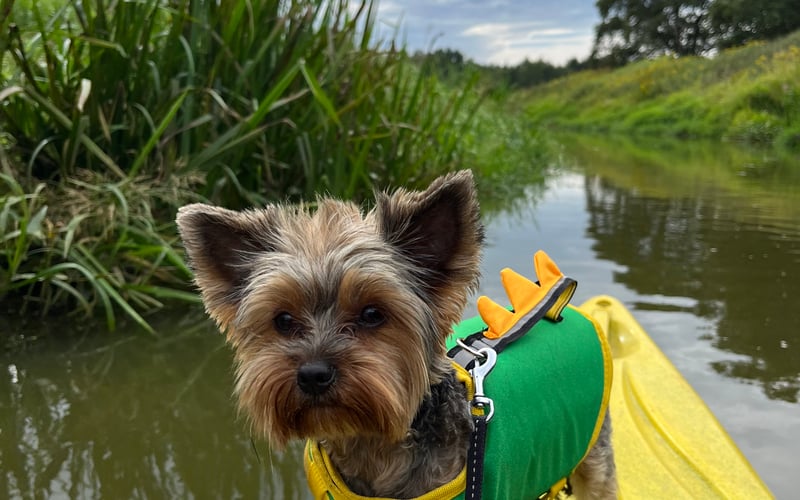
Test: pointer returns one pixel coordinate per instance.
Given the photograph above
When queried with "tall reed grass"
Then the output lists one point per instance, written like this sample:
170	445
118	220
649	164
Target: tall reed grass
114	113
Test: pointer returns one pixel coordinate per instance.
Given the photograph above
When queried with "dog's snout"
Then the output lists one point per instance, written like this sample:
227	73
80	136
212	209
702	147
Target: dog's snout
316	377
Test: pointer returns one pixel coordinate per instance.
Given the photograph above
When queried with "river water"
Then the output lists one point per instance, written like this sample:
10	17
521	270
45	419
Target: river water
701	242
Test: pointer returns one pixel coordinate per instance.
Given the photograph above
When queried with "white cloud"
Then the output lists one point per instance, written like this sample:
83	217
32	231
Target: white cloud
508	54
491	29
550	32
511	43
496	31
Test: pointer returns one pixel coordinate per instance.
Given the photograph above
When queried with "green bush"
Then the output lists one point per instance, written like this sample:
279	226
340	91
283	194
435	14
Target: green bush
753	126
261	98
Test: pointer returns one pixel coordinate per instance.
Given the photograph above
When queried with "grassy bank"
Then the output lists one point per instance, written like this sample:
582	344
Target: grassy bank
749	94
115	114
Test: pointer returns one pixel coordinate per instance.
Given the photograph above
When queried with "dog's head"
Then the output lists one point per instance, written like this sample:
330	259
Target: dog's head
338	319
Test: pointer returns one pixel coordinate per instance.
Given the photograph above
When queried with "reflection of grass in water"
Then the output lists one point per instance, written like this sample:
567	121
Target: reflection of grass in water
761	177
133	416
692	220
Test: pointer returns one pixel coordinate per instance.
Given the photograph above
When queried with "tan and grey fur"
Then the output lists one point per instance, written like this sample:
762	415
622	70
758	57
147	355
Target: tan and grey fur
338	321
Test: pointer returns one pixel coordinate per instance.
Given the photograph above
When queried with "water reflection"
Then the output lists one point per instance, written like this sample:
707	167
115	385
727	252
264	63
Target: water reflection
133	417
734	249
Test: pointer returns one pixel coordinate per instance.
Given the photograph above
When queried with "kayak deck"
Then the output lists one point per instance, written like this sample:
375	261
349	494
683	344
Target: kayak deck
667	443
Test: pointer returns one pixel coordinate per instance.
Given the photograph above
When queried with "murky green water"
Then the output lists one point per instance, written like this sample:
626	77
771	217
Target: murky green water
703	243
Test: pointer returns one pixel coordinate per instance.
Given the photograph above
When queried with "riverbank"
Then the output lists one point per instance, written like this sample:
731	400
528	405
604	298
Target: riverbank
114	119
747	94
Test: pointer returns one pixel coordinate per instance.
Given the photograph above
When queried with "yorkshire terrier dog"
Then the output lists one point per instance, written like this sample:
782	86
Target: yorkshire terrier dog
338	321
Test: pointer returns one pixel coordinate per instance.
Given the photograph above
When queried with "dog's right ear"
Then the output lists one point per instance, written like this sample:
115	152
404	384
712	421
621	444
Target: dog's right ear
221	245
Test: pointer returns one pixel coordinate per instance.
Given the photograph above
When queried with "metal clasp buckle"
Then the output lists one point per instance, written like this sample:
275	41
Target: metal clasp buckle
485	359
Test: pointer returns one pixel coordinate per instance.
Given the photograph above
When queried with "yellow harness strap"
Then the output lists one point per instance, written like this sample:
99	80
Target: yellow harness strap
326	483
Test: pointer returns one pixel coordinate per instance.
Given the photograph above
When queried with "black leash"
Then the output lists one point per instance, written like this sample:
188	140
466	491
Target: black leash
482	411
477	445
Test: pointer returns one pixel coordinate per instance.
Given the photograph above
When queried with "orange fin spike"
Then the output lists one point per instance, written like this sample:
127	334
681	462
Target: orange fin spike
498	318
518	288
525	295
547	270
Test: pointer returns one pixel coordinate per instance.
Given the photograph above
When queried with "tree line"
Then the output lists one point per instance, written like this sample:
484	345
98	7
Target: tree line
637	29
452	66
630	30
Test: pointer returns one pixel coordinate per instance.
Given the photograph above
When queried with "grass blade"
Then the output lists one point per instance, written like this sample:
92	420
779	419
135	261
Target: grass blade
319	94
156	135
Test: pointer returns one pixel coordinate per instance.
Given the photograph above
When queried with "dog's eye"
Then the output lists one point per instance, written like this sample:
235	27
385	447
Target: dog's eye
371	317
284	323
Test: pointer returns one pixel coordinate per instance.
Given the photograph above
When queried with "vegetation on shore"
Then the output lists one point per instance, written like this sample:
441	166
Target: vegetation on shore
749	94
114	114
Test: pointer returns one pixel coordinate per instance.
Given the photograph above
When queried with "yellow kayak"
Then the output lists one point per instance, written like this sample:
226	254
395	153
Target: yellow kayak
667	443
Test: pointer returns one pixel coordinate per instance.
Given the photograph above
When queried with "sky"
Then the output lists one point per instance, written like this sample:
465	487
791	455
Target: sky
502	32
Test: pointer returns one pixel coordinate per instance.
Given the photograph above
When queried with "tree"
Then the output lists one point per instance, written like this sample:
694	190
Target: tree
528	73
447	64
637	29
735	22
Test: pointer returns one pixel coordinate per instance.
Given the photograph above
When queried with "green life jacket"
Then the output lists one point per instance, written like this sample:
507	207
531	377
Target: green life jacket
550	388
550	391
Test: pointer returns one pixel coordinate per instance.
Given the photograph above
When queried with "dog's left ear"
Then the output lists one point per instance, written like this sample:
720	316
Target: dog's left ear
438	230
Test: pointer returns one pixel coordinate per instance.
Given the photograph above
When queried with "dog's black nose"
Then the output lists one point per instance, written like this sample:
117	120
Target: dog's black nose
316	377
